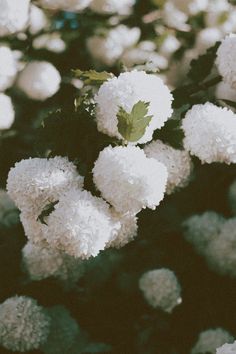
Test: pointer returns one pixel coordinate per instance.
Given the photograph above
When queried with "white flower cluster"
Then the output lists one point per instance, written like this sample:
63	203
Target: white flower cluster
215	140
8	67
161	289
7	112
24	325
190	7
69	5
225	60
125	91
50	41
227	349
13	16
121	7
209	340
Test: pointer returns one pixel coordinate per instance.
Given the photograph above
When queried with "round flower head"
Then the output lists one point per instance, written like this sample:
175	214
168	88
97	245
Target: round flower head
191	7
226	60
227	349
64	331
108	48
207	38
232	196
161	289
81	225
177	162
210	133
33	183
37	20
127	90
23	324
7	112
50	41
175	18
13	16
39	80
68	5
128	180
211	339
8	67
121	7
8	212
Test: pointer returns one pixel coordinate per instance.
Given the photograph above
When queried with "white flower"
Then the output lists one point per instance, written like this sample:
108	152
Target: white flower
129	180
37	20
36	182
177	162
7	112
8	67
127	90
39	80
207	38
191	7
210	133
121	7
24	325
174	18
169	45
42	262
227	349
226	60
108	48
81	225
225	92
161	289
13	16
8	212
211	339
68	5
50	41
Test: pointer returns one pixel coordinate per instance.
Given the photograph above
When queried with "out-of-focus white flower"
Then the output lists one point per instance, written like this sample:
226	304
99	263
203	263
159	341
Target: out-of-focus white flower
39	80
50	41
191	7
227	349
24	325
226	60
206	38
13	16
68	5
37	20
174	18
81	225
169	46
225	91
8	67
211	339
8	212
161	289
36	182
177	162
210	133
127	90
221	14
108	48
7	112
121	7
129	180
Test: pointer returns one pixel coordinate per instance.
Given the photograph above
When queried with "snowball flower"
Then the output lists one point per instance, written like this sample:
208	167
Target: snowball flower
177	162
33	183
175	18
39	80
191	7
161	289
211	339
37	20
210	133
7	112
227	349
121	7
81	225
24	325
127	90
50	41
8	67
68	5
128	180
8	212
108	48
13	16
226	60
207	38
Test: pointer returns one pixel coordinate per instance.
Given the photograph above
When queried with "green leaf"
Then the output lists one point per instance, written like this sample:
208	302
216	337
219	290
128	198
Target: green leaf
92	76
132	126
48	209
228	102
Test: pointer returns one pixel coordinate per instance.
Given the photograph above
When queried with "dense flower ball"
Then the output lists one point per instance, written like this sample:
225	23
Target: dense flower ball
127	90
37	20
215	140
50	41
226	60
129	180
227	349
7	112
206	38
24	325
81	225
127	232
69	5
8	67
211	339
13	16
34	182
177	162
8	212
161	289
39	80
121	7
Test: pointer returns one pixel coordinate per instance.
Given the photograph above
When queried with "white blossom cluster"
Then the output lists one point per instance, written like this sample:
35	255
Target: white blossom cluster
69	5
227	349
225	60
13	16
210	339
122	7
